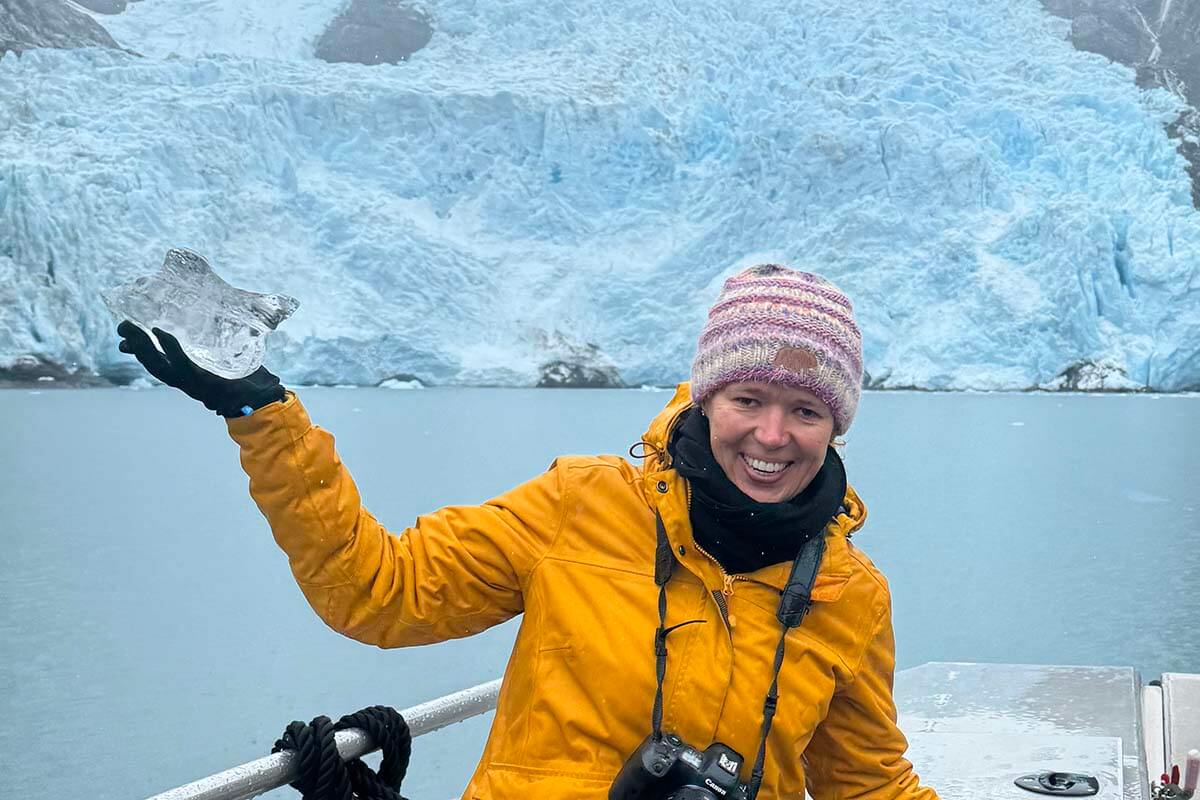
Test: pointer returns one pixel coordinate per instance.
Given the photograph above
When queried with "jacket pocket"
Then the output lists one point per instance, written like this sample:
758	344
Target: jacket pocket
515	782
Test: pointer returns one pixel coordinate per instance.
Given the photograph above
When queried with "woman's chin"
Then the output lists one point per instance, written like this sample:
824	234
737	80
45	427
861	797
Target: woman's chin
766	494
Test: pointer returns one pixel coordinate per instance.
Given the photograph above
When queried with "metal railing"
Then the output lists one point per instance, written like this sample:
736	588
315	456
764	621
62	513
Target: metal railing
271	772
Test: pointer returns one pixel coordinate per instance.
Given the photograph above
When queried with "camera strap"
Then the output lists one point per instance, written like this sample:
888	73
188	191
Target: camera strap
794	602
664	563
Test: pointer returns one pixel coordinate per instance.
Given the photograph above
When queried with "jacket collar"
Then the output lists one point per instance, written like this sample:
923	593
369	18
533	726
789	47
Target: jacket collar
666	492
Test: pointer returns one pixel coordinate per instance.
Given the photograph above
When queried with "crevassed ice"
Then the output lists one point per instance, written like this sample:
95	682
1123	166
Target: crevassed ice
220	327
550	181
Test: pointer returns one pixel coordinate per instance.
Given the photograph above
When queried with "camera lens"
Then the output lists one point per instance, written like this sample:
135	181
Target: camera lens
691	793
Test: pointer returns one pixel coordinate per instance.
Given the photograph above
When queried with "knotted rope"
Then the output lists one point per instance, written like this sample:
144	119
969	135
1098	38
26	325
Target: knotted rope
323	775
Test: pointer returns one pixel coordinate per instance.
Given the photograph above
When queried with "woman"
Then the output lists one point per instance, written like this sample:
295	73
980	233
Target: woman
739	486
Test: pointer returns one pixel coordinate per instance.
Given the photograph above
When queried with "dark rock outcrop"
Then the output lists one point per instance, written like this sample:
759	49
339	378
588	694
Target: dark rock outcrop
374	32
1092	376
104	6
565	374
29	24
35	371
1160	39
1186	129
572	363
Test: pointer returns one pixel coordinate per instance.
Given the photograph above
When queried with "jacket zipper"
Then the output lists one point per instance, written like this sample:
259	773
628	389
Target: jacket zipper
720	596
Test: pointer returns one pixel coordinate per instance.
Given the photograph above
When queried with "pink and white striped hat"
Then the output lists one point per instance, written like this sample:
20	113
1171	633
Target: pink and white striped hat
778	325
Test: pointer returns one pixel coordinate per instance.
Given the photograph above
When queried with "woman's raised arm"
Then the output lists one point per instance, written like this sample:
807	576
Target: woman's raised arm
456	572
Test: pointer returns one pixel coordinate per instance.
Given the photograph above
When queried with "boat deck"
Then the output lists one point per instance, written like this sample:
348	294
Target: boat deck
974	728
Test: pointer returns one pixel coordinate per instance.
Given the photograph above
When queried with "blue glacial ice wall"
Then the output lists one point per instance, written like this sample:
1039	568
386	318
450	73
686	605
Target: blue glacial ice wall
554	181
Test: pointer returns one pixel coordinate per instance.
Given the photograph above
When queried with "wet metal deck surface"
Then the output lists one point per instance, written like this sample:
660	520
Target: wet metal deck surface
974	728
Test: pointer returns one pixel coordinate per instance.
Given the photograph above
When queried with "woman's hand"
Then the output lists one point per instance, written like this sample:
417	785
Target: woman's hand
229	398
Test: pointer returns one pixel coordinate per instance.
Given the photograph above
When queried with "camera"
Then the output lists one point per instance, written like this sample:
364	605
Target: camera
664	768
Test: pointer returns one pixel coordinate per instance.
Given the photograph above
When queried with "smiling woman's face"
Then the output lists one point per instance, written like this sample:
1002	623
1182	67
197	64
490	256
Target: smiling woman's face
769	439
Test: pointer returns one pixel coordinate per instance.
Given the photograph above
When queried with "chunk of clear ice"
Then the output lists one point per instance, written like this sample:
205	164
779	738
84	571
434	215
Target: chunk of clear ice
220	327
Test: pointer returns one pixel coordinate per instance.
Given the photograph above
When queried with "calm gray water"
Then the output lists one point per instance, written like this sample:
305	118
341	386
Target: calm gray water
152	633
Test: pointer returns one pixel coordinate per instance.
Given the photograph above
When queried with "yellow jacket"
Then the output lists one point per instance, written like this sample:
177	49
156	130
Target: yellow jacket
573	549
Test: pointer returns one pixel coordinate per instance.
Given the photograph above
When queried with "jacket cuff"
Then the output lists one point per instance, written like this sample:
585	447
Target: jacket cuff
287	415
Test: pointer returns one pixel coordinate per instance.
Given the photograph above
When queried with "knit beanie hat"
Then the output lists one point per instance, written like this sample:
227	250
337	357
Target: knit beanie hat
778	325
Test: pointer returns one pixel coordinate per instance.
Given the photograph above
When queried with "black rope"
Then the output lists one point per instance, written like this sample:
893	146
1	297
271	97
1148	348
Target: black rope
323	775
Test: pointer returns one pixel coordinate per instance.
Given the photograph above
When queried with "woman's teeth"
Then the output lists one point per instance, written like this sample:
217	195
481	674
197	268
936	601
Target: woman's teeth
765	466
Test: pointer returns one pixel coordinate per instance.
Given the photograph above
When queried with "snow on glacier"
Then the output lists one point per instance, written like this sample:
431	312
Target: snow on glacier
547	181
194	28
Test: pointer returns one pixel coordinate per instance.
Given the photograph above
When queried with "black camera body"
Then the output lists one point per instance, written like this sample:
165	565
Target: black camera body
667	769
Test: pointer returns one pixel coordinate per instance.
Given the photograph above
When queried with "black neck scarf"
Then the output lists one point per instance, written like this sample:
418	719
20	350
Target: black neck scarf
740	533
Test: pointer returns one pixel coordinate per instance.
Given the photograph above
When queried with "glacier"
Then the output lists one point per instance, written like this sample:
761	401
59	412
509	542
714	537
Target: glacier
553	187
1160	39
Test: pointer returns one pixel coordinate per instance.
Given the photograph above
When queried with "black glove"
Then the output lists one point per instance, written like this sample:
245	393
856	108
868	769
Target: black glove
229	398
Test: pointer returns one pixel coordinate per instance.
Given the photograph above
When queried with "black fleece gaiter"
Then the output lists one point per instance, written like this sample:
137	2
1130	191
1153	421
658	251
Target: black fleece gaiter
743	534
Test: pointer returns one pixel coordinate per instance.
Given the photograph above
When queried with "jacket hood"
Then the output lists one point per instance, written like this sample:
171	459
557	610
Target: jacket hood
656	458
655	439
